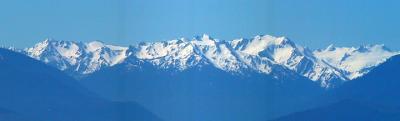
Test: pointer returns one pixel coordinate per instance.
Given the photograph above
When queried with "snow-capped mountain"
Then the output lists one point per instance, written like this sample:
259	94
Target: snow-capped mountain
201	51
261	53
178	54
282	51
276	56
76	57
355	61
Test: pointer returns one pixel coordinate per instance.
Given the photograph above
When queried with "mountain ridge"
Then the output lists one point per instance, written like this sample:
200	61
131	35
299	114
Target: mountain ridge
36	91
261	53
372	97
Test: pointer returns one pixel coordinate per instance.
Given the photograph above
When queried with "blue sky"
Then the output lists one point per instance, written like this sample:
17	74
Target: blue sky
314	23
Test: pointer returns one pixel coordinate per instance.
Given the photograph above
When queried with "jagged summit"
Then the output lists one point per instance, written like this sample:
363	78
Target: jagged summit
284	52
77	57
259	43
266	54
204	37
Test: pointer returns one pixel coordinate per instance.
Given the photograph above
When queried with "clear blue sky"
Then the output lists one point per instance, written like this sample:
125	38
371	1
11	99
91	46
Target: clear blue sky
314	23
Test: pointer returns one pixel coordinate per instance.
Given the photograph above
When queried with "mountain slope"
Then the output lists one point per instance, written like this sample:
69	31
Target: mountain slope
380	85
77	58
37	91
202	93
372	97
355	61
284	52
346	110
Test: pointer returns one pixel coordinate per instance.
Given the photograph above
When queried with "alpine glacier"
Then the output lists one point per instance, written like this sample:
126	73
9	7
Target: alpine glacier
264	54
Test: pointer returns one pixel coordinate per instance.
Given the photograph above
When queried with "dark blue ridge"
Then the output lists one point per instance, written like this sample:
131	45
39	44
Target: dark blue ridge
203	93
373	97
33	91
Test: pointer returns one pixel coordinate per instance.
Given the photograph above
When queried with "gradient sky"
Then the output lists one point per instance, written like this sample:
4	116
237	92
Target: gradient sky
313	23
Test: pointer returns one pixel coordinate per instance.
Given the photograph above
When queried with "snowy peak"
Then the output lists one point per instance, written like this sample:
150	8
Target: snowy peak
260	43
55	49
38	49
355	61
205	37
94	45
284	52
178	54
183	54
77	57
204	40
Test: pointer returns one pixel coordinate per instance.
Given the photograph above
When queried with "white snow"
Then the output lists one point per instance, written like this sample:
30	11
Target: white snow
80	57
260	43
266	54
282	51
184	54
356	61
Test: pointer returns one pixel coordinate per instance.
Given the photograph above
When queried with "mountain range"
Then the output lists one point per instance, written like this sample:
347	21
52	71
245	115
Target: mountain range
264	53
257	79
